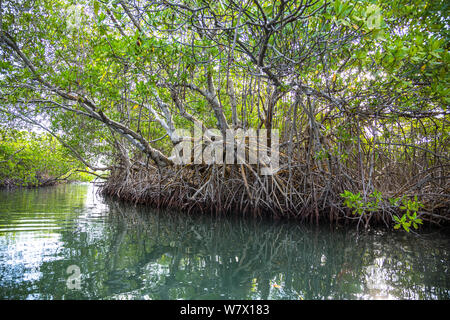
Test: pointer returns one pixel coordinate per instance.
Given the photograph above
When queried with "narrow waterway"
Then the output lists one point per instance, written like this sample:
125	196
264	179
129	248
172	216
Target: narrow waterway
66	242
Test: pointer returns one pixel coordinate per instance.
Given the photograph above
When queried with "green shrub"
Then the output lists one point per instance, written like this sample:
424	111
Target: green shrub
408	219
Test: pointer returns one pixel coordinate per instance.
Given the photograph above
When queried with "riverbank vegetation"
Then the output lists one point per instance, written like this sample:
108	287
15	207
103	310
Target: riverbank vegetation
357	90
32	159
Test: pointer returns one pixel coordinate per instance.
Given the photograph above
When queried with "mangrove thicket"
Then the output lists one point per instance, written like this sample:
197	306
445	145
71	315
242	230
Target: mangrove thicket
357	92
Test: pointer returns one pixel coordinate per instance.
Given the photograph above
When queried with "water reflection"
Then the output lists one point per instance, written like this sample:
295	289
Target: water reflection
135	253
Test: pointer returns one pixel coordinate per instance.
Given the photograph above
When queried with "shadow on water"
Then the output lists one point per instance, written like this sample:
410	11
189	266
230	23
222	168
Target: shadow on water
126	252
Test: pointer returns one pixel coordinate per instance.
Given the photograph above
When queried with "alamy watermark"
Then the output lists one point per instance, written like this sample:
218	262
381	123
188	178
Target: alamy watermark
374	17
237	147
74	16
73	282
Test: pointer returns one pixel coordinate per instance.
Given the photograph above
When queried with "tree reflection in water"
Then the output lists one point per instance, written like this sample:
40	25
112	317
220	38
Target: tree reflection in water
174	256
137	253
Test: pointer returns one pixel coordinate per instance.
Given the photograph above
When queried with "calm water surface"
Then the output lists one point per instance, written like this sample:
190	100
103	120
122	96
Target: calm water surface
124	252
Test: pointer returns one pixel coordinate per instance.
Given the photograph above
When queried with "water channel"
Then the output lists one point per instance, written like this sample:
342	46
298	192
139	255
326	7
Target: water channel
67	242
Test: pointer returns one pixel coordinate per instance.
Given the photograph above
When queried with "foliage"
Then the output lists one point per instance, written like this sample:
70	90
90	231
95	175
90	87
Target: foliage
32	159
356	202
410	216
